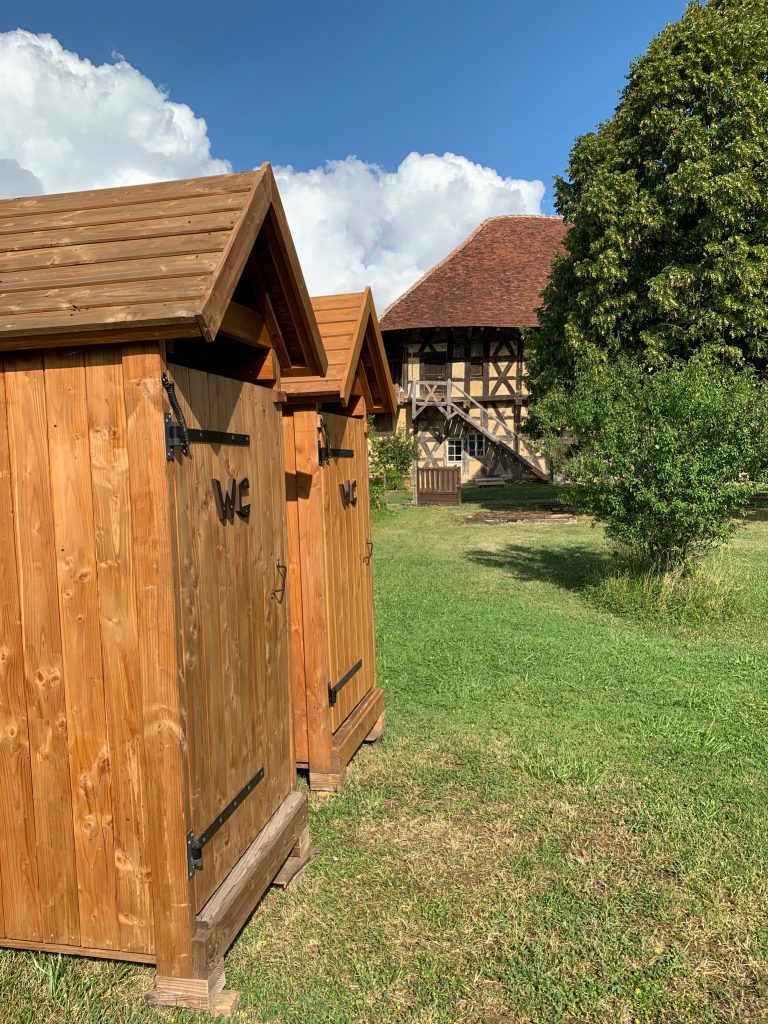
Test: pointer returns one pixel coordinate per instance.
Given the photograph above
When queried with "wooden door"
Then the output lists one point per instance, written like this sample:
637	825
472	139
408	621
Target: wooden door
348	555
230	517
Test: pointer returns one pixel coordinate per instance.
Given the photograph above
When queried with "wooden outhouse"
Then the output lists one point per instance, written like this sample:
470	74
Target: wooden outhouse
147	780
337	702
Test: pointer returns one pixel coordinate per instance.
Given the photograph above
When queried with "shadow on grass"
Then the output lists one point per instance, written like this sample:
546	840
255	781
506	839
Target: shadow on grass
571	567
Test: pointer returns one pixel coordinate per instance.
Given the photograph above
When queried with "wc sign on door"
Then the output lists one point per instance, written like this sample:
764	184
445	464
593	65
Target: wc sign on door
230	500
348	493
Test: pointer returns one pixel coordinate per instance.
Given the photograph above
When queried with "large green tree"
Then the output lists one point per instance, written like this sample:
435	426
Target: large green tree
668	202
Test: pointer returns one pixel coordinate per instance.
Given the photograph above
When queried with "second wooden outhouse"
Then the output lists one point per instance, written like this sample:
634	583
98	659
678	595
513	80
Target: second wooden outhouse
147	779
337	701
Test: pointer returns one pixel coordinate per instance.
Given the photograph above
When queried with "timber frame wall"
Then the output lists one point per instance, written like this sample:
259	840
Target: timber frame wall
488	364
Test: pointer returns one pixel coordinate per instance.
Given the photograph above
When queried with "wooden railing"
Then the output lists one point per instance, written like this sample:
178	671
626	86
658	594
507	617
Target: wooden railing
453	400
437	485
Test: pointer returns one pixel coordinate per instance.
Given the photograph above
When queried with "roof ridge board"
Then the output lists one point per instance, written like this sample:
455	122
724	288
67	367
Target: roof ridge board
70	199
285	238
242	238
351	364
379	356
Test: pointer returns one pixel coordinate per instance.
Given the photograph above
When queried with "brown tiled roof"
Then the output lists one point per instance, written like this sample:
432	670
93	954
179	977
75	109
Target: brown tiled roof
493	279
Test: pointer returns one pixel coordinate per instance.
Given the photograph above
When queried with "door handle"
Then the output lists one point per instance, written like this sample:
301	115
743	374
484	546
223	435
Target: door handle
368	552
279	592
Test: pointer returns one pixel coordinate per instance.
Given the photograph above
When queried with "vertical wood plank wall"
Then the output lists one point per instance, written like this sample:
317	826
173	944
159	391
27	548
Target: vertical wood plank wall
295	484
348	573
235	631
73	867
332	624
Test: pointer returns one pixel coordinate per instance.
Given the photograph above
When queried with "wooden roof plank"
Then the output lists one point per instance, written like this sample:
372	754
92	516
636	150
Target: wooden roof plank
108	252
346	373
157	227
95	198
104	294
123	213
122	271
164	258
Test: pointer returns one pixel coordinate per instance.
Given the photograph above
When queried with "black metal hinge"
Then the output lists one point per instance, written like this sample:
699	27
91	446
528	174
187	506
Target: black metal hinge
333	691
324	451
195	845
179	435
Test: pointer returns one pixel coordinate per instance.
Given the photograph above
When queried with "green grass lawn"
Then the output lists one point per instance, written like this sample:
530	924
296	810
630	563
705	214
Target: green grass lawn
567	821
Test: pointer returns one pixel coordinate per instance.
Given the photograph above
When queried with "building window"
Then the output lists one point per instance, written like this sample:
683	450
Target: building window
475	444
476	368
432	371
453	450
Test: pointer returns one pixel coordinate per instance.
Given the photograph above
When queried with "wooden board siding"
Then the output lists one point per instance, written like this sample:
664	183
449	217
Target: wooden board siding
44	682
347	572
298	672
74	874
235	639
331	547
115	558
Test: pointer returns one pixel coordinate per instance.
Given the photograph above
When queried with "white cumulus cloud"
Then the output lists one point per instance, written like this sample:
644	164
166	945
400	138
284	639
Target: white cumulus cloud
68	124
356	224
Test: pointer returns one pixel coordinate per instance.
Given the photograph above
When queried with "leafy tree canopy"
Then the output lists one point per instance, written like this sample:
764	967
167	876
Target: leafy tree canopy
668	201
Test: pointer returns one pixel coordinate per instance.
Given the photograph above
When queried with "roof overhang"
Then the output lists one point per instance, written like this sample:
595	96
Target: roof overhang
359	367
151	262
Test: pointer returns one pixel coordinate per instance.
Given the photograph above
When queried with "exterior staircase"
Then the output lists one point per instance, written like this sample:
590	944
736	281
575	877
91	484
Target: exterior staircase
452	400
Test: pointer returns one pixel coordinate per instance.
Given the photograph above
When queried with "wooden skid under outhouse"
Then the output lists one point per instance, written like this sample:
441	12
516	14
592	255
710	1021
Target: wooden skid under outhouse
337	701
147	780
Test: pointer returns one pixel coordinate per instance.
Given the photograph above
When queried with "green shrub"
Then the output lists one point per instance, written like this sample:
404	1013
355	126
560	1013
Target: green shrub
392	457
665	460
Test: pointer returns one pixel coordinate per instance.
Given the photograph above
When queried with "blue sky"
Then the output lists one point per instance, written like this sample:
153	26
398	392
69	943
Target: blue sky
506	86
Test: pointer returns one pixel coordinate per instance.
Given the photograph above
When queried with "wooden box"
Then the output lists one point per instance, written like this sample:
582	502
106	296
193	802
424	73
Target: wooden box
147	781
338	703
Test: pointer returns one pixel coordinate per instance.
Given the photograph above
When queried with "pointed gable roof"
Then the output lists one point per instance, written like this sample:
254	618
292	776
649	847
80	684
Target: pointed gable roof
357	362
153	261
492	279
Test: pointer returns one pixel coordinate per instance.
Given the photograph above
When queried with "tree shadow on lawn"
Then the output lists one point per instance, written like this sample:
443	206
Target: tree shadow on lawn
571	567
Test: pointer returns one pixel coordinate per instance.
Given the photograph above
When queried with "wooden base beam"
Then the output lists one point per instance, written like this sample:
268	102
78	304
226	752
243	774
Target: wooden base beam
232	904
207	994
346	741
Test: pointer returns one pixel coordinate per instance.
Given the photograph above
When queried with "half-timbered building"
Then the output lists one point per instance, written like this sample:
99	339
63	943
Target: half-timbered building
455	348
